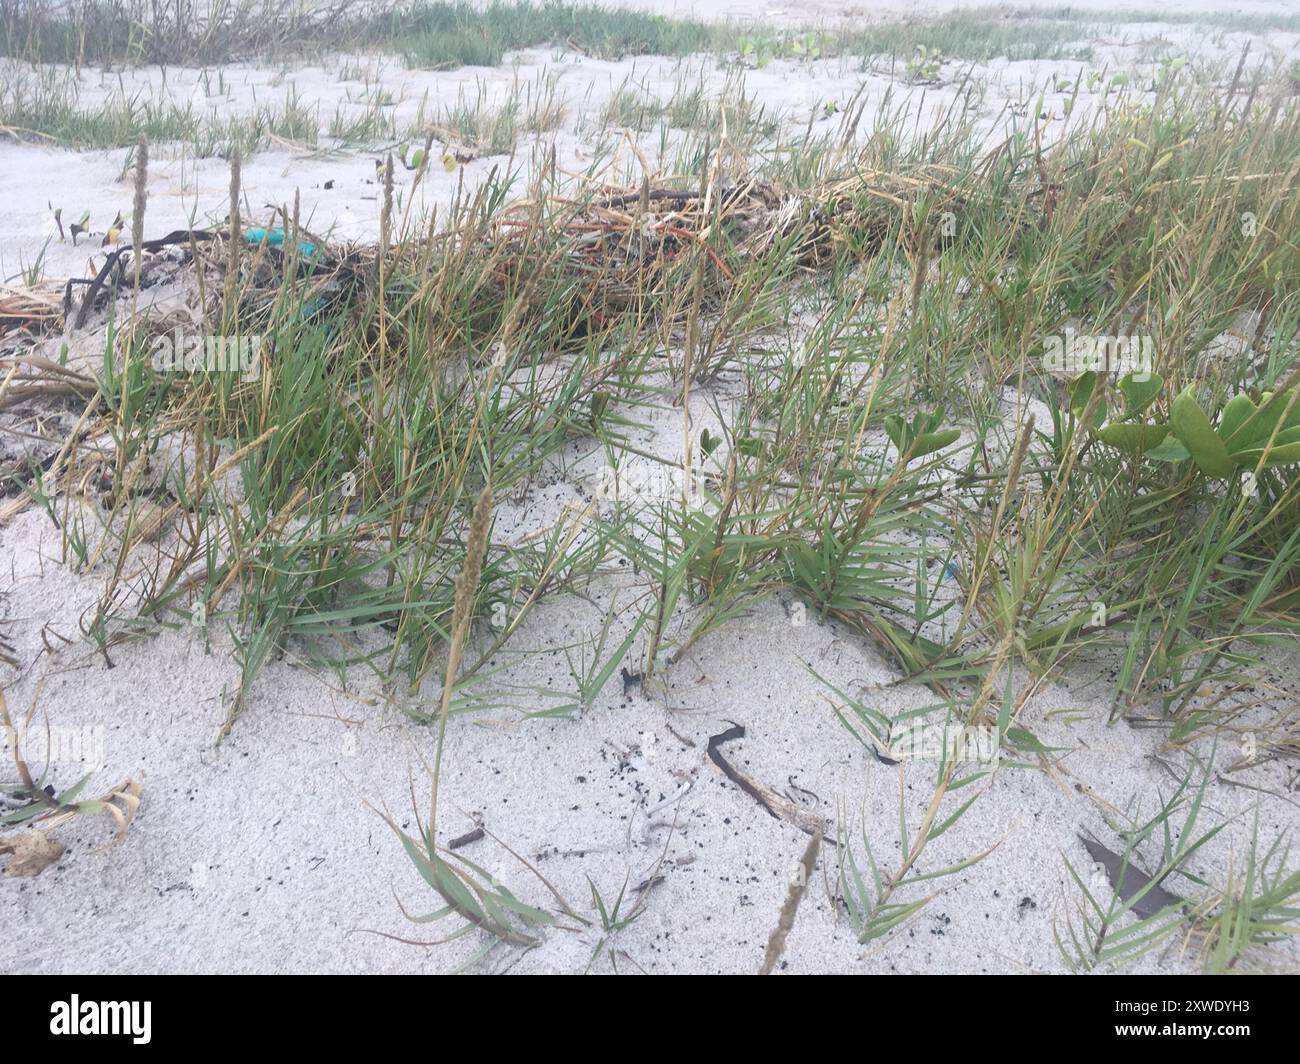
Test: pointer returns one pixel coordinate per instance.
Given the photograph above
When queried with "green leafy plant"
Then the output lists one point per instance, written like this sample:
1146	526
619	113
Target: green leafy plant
1248	435
924	65
920	436
1130	432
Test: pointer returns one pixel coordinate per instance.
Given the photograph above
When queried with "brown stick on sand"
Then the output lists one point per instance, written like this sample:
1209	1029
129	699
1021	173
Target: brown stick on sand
798	888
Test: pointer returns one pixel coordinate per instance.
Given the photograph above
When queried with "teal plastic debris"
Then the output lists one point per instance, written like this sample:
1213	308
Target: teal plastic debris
275	238
313	306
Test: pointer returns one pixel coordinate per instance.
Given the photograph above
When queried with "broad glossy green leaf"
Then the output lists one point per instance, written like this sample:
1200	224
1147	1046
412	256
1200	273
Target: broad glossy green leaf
1192	427
1139	394
1285	454
934	441
1259	426
1240	408
1170	450
1133	439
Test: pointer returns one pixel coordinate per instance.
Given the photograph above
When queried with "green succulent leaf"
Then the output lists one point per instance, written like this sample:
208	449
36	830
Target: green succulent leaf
1286	454
1238	411
1134	439
1081	392
929	442
1193	428
920	436
1256	429
1169	450
1284	449
1139	394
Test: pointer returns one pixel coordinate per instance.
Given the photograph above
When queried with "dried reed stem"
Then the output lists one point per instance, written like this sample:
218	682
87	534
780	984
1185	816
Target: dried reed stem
462	614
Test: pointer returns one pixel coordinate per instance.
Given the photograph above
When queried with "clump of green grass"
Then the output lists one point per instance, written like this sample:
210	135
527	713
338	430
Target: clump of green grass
454	34
46	107
931	275
976	35
701	108
631	108
490	126
363	125
440	34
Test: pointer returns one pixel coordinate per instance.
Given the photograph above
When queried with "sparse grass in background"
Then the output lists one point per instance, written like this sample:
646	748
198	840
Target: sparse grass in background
631	107
44	107
437	35
493	126
457	34
1230	20
443	35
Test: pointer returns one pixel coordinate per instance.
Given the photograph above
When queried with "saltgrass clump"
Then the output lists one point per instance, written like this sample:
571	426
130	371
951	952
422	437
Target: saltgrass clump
908	320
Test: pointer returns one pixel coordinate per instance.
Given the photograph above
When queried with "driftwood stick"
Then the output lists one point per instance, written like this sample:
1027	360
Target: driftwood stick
177	236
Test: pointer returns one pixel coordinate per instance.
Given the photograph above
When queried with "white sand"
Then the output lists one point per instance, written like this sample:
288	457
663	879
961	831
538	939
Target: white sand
261	855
